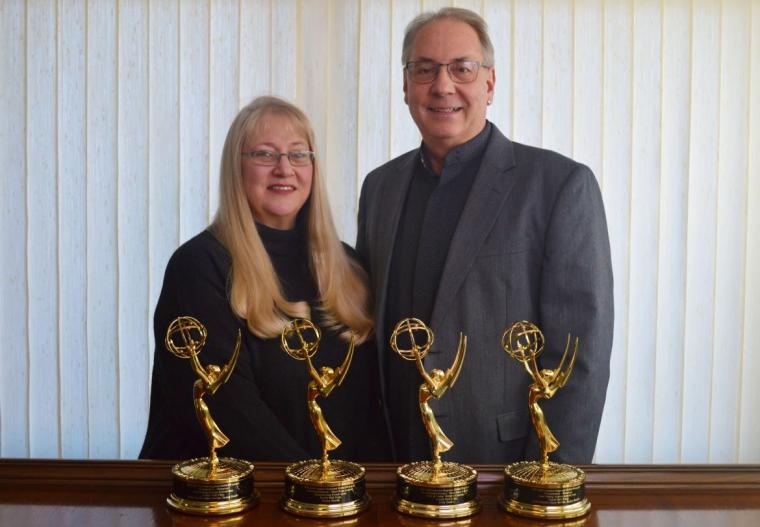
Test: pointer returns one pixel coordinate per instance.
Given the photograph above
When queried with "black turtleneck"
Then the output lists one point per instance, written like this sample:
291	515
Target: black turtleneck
262	408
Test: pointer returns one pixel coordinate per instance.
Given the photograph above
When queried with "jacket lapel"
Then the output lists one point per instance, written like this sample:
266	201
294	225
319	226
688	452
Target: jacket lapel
487	196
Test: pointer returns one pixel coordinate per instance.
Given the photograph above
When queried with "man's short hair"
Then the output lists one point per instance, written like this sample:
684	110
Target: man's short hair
470	18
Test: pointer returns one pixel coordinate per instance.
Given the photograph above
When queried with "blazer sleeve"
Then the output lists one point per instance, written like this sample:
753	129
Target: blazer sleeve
576	297
195	285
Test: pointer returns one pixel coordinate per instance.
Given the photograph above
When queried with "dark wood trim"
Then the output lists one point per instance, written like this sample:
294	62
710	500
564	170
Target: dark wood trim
18	473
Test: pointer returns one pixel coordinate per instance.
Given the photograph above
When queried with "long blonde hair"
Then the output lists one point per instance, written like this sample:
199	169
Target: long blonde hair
255	291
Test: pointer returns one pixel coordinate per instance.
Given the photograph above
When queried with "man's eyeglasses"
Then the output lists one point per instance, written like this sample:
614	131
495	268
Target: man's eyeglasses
268	158
426	71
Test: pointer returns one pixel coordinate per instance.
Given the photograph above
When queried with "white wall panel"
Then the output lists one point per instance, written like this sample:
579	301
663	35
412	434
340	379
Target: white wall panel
14	366
42	239
115	112
72	228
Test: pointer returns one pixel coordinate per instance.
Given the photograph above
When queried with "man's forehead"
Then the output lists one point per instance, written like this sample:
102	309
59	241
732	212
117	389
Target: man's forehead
448	39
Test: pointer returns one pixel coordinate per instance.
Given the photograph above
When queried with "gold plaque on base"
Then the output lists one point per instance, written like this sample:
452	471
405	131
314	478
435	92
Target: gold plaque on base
334	490
555	493
448	490
226	489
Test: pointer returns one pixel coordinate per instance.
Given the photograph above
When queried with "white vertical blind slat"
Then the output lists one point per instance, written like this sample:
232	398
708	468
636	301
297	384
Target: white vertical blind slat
674	169
749	418
255	50
14	368
435	5
373	97
616	174
645	183
587	85
403	133
731	232
700	250
498	15
284	46
527	64
223	88
314	61
102	235
196	172
472	5
163	143
133	322
42	237
72	227
557	78
339	150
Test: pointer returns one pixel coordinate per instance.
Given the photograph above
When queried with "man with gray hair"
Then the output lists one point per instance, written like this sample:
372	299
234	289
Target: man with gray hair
472	232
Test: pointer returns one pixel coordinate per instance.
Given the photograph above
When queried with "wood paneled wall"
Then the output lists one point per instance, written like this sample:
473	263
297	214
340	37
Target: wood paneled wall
112	118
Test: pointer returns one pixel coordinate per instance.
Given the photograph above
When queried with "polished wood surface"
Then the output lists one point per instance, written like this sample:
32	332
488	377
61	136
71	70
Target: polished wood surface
126	493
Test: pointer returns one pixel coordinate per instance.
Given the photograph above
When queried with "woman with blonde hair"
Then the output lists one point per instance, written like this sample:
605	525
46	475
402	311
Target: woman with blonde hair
272	254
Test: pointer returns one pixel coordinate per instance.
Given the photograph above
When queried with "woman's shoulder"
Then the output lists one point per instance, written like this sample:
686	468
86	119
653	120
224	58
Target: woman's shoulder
353	255
350	251
202	250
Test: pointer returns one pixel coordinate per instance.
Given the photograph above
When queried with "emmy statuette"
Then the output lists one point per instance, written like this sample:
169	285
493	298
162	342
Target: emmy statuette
542	489
209	485
433	489
321	488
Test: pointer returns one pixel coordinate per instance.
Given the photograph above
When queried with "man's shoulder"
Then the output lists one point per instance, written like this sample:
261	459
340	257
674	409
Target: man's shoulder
543	159
394	165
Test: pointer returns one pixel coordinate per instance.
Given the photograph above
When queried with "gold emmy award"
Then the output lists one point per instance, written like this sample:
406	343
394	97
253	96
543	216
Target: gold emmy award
212	485
542	489
433	489
321	488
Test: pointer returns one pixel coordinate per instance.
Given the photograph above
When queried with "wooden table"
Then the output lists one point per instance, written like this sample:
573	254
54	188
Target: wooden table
126	493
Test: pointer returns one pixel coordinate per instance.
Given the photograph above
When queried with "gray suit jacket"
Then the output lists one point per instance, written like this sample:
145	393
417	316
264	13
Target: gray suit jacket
531	244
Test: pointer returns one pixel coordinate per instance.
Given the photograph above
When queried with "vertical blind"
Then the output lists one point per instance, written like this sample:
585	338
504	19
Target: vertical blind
112	118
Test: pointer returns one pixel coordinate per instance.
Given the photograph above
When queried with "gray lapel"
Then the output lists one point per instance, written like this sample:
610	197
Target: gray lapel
487	196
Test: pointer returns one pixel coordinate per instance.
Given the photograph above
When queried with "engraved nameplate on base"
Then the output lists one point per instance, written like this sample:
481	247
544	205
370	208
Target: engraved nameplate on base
447	491
228	490
557	493
334	491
